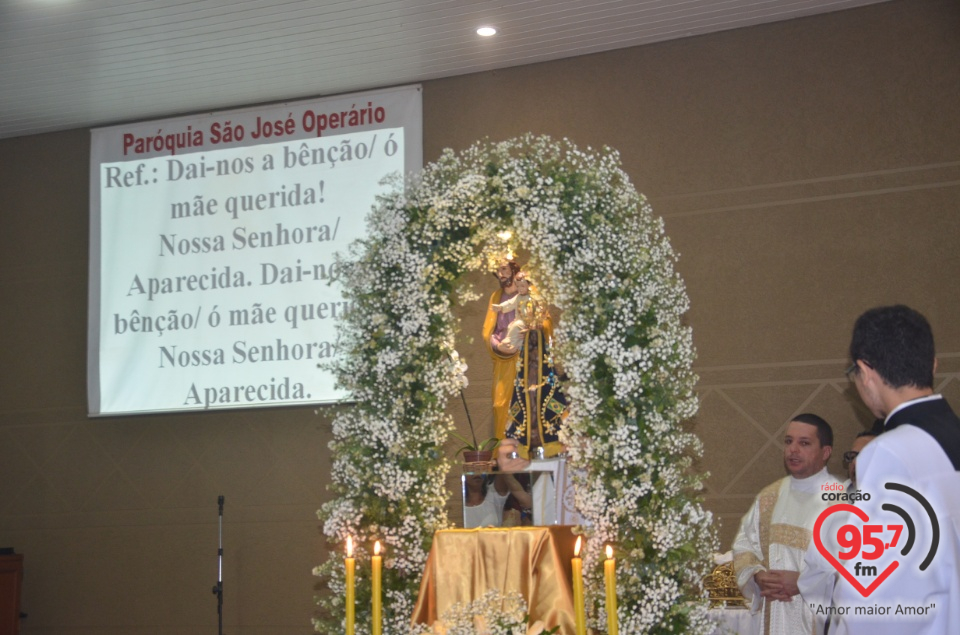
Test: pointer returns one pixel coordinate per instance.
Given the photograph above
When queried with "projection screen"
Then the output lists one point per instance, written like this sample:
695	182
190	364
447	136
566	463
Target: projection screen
212	242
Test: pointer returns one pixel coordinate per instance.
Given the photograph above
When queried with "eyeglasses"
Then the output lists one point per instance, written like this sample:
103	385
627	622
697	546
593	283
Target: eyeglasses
853	369
849	456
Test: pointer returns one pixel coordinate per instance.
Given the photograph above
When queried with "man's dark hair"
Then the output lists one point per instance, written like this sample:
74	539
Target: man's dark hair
824	431
867	433
897	342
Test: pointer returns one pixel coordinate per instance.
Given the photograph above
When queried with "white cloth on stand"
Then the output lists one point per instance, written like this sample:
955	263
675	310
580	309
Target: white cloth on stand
553	493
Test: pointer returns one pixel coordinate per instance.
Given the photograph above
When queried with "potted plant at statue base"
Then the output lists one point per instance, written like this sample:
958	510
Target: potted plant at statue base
478	456
484	456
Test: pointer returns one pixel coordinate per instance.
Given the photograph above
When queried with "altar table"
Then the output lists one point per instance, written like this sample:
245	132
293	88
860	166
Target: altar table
463	564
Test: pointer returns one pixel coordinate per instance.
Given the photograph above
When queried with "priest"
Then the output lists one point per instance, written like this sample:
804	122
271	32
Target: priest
775	532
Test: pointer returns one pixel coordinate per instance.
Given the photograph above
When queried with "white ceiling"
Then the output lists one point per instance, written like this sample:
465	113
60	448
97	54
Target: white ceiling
77	63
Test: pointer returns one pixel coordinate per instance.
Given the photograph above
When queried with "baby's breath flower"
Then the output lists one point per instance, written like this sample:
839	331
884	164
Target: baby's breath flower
602	258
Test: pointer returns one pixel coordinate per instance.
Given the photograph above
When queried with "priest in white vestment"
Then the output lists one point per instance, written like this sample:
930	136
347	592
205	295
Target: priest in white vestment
775	532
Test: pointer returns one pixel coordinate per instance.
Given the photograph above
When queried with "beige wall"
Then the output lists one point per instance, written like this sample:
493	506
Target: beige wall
806	170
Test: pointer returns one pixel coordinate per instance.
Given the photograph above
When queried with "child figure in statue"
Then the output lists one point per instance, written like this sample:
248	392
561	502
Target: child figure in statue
529	308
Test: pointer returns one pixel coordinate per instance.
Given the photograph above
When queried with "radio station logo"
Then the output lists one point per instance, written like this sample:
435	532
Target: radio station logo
861	541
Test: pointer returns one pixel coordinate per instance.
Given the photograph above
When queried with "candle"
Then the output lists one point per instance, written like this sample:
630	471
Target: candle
610	576
578	607
376	564
349	564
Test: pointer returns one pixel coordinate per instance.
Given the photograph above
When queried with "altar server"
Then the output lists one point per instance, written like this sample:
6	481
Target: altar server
850	458
893	363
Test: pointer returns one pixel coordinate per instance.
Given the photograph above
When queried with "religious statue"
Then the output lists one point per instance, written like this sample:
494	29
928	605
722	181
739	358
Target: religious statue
538	405
494	330
529	404
528	311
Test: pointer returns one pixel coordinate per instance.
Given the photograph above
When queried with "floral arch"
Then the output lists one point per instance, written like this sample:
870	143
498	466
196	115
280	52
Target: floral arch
601	257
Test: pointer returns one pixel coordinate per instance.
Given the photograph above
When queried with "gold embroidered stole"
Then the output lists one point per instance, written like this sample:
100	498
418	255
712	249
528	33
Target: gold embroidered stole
770	532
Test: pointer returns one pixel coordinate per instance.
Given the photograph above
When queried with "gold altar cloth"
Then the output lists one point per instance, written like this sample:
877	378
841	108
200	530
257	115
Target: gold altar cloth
465	563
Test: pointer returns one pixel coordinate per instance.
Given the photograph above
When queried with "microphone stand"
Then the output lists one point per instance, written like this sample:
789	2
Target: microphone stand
218	588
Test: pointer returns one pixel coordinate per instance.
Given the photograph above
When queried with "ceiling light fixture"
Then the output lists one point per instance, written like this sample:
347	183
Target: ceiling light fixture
486	31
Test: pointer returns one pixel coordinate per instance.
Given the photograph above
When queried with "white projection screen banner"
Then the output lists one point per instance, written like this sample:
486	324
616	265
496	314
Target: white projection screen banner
212	242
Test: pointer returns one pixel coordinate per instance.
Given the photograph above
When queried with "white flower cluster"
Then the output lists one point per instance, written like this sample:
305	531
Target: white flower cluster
660	593
492	614
601	257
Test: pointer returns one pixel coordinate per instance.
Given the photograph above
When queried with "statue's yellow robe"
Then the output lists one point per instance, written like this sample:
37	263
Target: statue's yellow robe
504	368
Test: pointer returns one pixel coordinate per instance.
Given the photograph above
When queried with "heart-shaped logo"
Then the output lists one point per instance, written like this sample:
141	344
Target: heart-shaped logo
862	515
